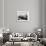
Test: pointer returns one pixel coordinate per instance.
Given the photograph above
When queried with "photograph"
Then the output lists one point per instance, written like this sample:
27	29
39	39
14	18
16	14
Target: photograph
22	15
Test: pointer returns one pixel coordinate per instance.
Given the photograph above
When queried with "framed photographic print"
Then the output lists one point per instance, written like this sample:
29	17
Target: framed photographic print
22	15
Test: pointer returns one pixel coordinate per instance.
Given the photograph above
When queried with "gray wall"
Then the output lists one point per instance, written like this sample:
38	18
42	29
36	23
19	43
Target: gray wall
35	13
44	18
1	13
